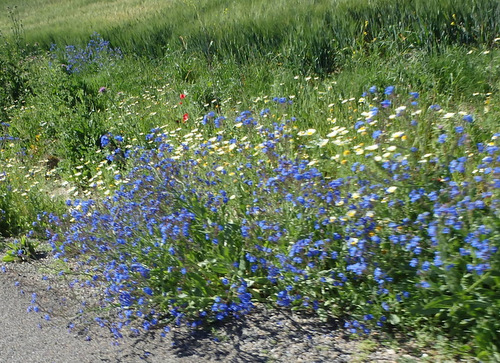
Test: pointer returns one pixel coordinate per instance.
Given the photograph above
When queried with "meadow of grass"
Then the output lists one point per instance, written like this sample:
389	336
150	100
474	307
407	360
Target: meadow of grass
197	158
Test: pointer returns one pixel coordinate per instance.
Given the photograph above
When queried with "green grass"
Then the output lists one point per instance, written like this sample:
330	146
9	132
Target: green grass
228	56
313	35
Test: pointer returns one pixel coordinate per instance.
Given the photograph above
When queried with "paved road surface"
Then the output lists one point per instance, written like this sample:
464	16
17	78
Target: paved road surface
263	336
22	340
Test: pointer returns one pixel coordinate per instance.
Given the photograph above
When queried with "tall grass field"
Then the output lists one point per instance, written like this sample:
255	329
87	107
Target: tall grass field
193	159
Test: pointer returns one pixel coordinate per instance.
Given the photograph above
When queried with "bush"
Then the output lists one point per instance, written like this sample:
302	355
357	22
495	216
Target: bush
405	235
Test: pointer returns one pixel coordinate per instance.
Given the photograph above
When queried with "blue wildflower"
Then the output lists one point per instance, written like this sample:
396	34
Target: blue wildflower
389	90
468	118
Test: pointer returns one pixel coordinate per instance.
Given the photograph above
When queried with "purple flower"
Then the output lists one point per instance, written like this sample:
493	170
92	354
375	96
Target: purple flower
103	90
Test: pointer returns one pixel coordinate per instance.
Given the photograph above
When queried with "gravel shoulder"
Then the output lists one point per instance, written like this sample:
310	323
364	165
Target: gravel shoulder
263	336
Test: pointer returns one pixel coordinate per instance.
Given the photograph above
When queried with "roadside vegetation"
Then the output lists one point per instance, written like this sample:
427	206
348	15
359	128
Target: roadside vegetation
194	159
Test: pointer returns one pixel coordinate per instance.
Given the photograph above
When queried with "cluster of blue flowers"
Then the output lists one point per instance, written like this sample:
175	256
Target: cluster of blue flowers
98	53
4	136
187	242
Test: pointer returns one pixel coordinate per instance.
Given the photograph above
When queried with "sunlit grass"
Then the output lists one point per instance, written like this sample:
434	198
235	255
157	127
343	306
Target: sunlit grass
76	15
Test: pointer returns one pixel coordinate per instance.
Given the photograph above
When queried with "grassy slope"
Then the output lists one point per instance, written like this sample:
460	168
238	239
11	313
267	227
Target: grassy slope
234	51
231	25
77	15
261	45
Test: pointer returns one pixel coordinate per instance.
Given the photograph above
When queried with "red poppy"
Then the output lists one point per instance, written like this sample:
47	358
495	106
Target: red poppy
182	96
185	117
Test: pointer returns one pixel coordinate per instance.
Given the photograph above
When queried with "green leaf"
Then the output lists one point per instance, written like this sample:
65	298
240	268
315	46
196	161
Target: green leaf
8	258
219	268
322	314
200	283
441	303
394	319
484	355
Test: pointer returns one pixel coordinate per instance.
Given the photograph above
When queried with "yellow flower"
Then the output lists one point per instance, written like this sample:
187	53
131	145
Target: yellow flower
351	213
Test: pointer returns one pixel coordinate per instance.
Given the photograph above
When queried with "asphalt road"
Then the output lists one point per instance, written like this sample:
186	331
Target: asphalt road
29	338
263	336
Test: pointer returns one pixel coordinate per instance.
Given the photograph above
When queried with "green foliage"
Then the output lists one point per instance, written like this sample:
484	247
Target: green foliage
398	236
9	219
13	67
21	250
317	36
23	197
